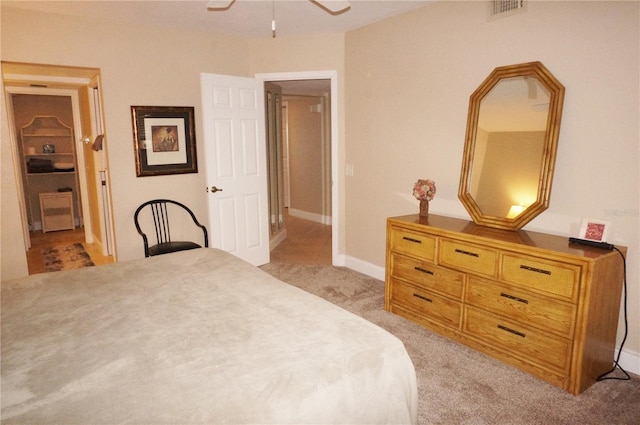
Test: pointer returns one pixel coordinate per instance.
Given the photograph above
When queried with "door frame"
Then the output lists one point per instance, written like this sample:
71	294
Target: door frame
336	258
46	80
285	153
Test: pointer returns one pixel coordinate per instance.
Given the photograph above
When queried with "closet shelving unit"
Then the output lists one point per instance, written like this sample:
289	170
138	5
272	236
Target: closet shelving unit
49	172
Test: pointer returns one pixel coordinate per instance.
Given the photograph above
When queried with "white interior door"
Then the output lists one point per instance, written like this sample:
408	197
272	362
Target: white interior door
235	155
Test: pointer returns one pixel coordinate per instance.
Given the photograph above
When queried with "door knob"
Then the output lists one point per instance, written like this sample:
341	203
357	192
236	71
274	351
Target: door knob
215	189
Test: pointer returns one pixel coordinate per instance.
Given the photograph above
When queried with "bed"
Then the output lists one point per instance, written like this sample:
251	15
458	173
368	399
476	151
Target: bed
194	337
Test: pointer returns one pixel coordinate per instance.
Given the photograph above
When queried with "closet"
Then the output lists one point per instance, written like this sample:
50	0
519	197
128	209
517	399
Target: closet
49	166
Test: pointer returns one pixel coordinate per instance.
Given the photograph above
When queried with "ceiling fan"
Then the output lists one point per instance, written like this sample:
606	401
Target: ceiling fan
334	7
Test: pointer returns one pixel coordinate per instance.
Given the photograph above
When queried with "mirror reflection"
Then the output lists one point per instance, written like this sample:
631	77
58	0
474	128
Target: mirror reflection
510	147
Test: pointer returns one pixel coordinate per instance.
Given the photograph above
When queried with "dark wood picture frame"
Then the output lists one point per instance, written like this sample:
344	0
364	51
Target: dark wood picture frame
164	140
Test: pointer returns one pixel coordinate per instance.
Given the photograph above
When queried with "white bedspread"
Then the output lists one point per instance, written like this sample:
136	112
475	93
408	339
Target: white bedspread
195	337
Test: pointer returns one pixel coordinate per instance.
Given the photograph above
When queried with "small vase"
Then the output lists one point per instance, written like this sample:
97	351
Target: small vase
424	208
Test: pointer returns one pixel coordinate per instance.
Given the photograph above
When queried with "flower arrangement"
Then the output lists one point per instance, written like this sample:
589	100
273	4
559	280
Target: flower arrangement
424	190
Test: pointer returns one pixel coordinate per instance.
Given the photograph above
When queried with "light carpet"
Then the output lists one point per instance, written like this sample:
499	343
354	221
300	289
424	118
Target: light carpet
66	257
456	384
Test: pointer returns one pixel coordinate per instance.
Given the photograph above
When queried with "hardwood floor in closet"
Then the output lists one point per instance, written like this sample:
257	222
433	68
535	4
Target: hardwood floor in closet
41	240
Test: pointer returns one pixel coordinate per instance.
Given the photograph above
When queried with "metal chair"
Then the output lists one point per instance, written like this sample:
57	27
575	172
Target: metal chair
164	243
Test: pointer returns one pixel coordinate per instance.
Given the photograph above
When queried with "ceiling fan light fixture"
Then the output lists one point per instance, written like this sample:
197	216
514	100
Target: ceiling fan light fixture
219	4
334	7
273	18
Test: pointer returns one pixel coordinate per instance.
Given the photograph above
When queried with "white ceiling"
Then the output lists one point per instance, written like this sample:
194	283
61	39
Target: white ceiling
244	17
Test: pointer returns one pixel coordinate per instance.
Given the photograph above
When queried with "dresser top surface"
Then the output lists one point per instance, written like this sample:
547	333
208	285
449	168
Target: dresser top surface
521	237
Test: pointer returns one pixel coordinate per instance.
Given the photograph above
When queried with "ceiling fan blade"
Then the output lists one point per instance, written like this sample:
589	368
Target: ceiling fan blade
334	7
220	4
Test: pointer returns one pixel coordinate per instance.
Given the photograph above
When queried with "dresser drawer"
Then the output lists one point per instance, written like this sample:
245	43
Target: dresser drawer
434	307
412	243
57	200
518	340
469	257
547	277
428	276
522	306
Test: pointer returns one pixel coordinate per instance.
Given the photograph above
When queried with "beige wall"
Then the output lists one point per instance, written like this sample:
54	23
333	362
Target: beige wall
143	66
305	154
408	83
403	88
140	66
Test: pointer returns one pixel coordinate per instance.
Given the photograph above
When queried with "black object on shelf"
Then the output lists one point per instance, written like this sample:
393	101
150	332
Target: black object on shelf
38	165
602	245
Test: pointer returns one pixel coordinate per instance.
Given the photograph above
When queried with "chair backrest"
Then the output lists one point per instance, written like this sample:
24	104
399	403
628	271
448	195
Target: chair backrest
161	222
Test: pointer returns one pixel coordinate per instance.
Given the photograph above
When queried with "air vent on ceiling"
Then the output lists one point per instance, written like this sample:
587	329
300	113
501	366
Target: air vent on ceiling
501	8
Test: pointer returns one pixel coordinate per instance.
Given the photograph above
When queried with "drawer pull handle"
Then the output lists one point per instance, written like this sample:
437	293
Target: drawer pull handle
504	328
512	297
406	238
422	297
420	269
534	269
472	254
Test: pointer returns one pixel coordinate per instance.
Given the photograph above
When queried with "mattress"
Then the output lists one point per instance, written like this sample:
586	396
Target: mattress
193	337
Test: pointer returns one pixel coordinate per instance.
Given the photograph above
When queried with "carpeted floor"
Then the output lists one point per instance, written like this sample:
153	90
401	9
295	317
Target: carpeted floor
65	257
458	385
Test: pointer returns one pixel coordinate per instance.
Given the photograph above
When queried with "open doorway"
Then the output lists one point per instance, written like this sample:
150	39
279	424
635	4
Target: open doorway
59	149
299	158
44	125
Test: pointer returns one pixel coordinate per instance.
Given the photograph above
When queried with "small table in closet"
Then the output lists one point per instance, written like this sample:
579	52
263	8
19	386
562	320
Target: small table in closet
56	210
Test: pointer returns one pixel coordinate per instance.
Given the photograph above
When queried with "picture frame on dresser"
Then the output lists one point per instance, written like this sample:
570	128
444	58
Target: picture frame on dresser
164	140
595	230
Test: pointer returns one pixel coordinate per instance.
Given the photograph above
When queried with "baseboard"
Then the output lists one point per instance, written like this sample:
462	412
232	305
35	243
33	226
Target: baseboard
277	239
318	218
365	267
629	360
98	244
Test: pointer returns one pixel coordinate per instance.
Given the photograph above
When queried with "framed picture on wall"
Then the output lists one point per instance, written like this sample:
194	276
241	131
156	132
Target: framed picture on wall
164	140
594	230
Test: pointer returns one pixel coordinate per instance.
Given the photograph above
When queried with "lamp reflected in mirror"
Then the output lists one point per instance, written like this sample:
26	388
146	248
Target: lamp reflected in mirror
515	211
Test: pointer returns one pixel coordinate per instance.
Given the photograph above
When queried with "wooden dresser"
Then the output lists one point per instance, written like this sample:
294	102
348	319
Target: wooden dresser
529	299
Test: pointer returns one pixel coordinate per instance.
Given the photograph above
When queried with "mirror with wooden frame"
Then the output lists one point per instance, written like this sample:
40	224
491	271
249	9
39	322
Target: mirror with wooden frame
510	147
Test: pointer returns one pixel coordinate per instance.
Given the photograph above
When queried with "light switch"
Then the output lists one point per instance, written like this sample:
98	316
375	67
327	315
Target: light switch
348	169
